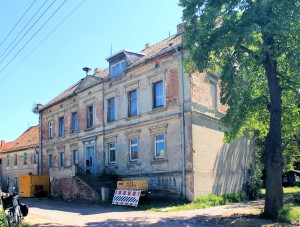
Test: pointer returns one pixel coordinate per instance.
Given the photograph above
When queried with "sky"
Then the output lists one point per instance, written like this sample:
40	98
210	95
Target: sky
44	44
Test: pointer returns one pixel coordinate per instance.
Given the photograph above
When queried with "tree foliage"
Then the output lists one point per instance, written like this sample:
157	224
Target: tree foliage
255	46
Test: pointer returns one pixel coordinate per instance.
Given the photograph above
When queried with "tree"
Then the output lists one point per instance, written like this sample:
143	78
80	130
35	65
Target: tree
255	45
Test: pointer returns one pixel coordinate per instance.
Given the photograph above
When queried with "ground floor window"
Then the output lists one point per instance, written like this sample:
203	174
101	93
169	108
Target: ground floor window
160	146
112	152
134	153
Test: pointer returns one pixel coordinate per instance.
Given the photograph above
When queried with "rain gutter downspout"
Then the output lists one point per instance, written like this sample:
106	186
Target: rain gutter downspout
179	50
40	168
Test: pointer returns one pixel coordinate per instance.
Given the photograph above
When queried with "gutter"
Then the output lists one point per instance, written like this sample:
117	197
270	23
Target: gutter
179	50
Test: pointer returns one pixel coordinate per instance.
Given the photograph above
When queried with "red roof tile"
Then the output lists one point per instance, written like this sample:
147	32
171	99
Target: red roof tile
29	139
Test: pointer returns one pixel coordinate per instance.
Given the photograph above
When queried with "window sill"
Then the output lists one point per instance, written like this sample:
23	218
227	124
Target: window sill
159	161
89	129
158	109
133	163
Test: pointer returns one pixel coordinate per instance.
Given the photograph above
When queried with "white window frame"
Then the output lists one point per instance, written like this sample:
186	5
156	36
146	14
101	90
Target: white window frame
109	108
130	103
117	68
50	129
109	151
132	146
159	141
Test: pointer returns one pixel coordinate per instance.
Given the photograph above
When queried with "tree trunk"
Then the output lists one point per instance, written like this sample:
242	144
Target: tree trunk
273	151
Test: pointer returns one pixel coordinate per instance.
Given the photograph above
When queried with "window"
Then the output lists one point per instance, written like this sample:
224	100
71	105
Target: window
160	146
132	103
7	160
50	160
50	130
61	159
111	110
117	68
90	116
36	157
61	126
75	157
112	152
25	158
15	160
134	154
158	97
213	95
74	122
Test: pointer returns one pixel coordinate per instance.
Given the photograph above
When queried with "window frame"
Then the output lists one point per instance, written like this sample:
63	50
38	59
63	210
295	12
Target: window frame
130	149
160	141
214	99
113	67
7	161
110	149
61	126
50	129
75	125
50	160
75	157
25	159
90	116
15	160
155	94
61	159
132	101
111	110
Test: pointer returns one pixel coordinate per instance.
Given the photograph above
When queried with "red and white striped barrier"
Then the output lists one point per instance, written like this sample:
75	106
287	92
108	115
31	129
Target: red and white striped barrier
126	197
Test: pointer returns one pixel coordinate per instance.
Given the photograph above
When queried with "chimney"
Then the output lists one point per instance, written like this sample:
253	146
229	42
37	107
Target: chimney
2	143
97	70
147	45
180	28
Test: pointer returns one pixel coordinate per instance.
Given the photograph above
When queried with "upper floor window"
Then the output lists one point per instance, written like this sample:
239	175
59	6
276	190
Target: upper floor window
117	68
134	152
132	103
160	146
61	126
36	157
111	109
7	160
25	158
90	116
74	122
112	152
50	130
158	94
15	160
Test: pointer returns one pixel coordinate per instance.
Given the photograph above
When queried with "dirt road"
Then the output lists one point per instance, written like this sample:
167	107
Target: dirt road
45	212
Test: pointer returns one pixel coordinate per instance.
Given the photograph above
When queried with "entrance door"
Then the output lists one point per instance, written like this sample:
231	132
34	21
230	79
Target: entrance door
90	159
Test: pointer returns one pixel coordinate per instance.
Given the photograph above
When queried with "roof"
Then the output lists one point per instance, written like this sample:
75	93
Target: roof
149	53
29	139
5	145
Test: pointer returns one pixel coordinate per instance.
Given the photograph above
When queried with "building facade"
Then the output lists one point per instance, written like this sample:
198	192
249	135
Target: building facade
20	157
143	118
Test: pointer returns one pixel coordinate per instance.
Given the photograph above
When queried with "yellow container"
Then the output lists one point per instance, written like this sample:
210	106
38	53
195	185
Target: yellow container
133	184
28	182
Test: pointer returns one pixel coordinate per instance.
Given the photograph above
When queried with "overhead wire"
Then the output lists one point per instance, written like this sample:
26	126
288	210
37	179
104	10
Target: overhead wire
40	43
27	31
32	37
21	32
17	23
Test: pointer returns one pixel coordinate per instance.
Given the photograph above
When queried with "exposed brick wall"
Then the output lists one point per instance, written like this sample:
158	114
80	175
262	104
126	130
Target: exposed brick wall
82	120
72	188
201	93
172	89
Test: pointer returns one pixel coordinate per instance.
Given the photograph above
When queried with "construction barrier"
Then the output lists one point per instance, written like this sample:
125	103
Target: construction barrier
126	197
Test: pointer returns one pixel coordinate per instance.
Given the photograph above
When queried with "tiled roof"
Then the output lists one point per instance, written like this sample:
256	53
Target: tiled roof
29	139
5	145
148	53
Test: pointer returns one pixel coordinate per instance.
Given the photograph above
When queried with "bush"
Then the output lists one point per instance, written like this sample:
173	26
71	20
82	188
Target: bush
254	183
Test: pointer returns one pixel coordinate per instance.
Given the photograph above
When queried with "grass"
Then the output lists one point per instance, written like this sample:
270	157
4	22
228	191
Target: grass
201	202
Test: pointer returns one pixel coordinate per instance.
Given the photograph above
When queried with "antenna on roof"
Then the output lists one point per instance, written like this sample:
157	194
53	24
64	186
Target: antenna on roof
86	69
110	49
169	34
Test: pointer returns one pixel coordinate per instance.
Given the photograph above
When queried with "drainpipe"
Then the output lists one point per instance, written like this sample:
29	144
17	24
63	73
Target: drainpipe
182	122
40	167
103	125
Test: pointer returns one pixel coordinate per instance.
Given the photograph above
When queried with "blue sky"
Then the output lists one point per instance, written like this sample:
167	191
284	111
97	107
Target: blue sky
46	67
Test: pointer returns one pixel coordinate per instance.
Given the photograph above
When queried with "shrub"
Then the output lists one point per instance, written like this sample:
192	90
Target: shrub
254	183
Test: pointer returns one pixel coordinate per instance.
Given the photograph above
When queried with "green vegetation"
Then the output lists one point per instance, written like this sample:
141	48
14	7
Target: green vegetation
254	47
203	202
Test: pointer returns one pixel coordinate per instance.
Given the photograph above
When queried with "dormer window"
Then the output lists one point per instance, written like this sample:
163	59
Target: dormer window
117	68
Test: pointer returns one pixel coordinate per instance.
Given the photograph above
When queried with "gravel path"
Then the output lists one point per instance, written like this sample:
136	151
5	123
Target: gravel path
45	212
